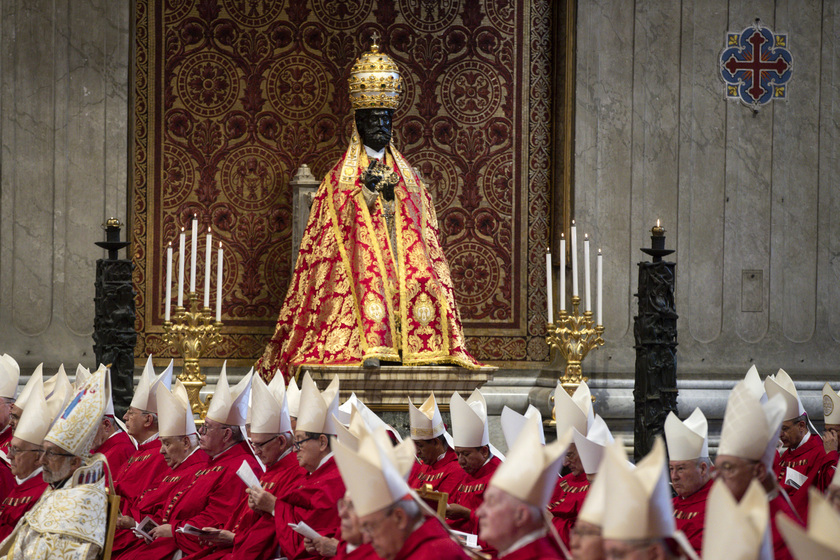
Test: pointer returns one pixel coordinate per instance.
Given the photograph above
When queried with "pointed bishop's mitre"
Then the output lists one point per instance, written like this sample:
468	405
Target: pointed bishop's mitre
751	429
351	436
82	375
9	376
58	383
469	420
230	406
145	395
317	410
735	530
372	474
513	422
754	384
426	421
688	439
530	470
175	415
819	541
293	398
39	415
590	447
782	385
575	411
77	425
640	499
37	378
595	503
269	415
831	405
344	409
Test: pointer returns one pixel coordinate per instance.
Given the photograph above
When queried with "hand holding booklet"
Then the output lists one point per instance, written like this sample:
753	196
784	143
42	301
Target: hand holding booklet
305	530
144	528
248	477
188	529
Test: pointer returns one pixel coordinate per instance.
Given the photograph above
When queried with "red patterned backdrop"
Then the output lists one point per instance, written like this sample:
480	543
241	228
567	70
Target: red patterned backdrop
232	96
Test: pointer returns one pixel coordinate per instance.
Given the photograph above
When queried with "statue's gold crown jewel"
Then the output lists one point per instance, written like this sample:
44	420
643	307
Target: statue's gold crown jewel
375	81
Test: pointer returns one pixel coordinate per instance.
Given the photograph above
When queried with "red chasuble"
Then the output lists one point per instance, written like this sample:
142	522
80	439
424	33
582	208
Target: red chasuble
314	501
20	500
780	549
443	476
255	532
565	503
540	549
810	460
153	501
690	515
470	494
142	471
117	450
351	288
430	542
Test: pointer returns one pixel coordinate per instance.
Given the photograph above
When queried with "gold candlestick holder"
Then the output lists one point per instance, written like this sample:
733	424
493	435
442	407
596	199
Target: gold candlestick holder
574	335
193	333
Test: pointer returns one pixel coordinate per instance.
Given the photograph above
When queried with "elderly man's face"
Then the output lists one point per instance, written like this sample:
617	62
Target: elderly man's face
472	458
269	447
58	464
792	433
351	529
5	411
310	450
385	531
24	457
136	421
499	517
214	436
586	542
736	473
175	449
573	461
14	416
428	450
688	477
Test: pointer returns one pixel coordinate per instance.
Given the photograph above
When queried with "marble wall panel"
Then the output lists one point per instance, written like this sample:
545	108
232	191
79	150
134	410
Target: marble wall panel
829	164
701	177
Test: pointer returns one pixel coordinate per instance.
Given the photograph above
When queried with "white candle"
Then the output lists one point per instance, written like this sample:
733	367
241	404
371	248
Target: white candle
549	287
181	269
219	269
207	269
600	273
586	282
574	260
562	271
168	281
194	247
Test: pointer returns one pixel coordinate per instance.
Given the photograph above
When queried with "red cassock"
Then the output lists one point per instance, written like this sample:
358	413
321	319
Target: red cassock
20	500
209	501
362	552
430	542
154	500
470	494
117	450
143	470
780	549
7	479
314	501
811	460
6	438
565	503
690	515
255	532
443	476
540	549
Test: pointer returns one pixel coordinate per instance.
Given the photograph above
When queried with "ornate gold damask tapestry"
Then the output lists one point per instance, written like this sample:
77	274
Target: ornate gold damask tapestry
232	96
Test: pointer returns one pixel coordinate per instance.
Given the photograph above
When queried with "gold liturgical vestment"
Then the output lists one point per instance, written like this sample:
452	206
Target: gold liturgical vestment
67	523
358	292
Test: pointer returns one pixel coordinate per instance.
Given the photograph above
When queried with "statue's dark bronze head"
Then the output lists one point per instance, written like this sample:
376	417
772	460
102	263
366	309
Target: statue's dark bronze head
374	126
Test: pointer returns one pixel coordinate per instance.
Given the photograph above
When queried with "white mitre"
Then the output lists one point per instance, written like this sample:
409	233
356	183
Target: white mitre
751	429
76	426
754	384
819	541
426	421
590	447
175	415
269	415
737	530
344	409
575	411
595	504
317	410
292	397
831	405
39	415
469	420
372	474
782	384
37	378
351	436
688	439
82	375
513	422
230	406
9	376
145	395
58	383
530	471
639	499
